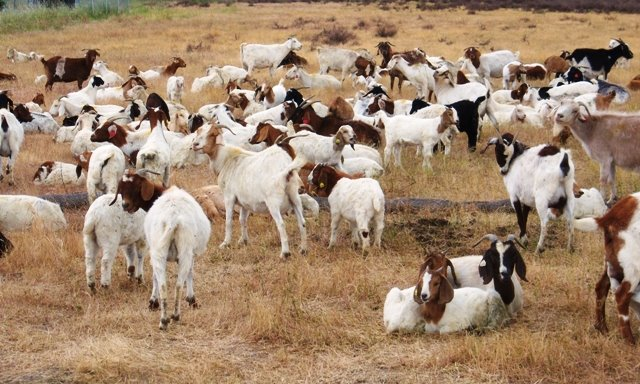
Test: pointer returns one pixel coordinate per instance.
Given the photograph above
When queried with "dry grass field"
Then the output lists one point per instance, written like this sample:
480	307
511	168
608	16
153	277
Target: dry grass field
314	318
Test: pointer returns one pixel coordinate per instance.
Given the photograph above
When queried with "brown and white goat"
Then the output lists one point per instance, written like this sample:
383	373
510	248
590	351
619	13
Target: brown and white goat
165	70
68	69
176	229
557	64
621	227
412	57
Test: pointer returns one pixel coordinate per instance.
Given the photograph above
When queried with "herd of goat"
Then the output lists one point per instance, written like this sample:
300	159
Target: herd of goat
284	144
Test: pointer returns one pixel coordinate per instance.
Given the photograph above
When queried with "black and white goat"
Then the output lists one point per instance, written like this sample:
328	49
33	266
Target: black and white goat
596	62
539	177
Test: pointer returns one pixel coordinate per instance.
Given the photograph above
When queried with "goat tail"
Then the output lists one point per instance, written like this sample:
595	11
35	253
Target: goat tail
164	241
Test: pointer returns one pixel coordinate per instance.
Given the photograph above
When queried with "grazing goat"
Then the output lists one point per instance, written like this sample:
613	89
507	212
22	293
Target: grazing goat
265	181
596	62
257	56
359	201
21	212
68	69
540	177
608	138
11	138
339	59
163	71
621	274
108	227
175	228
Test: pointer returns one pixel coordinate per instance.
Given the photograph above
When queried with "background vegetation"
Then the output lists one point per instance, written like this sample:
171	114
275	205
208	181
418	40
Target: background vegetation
316	318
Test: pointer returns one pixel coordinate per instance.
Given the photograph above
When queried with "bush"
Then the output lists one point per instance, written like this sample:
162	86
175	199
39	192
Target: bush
386	30
334	36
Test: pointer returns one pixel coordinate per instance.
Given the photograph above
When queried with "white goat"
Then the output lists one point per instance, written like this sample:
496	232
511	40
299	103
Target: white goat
572	90
11	138
339	59
87	95
306	79
17	57
257	56
488	64
539	177
58	173
364	166
111	78
420	75
200	83
155	154
259	182
175	88
107	226
228	73
21	212
589	203
323	149
402	130
82	140
106	166
176	229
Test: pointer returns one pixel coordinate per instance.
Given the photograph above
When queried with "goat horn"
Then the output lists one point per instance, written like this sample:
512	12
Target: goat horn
513	238
228	129
581	104
416	296
489	236
431	65
492	141
142	171
453	272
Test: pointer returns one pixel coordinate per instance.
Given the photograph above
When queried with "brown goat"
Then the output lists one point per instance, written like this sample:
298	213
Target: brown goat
293	58
266	133
634	84
67	69
412	57
341	109
557	64
362	64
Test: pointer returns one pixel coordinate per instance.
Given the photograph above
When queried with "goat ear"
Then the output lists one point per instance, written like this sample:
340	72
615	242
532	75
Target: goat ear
147	190
485	271
445	293
521	268
112	130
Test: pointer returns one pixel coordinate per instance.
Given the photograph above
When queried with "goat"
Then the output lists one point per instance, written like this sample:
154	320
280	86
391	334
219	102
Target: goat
596	62
68	69
175	88
270	96
58	173
108	227
323	149
18	57
488	64
359	201
402	130
293	58
35	122
155	154
7	77
175	228
259	182
11	138
340	59
588	203
540	177
257	56
557	64
621	262
163	71
106	166
312	80
420	75
111	78
607	138
230	73
412	57
21	212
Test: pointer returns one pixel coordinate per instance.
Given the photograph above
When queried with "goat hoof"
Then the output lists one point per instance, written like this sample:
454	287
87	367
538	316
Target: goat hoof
285	255
104	286
192	302
303	251
140	280
163	324
154	305
175	317
92	287
601	327
223	246
131	270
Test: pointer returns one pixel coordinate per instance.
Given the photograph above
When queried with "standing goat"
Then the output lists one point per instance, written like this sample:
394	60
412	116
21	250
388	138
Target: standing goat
265	181
68	69
176	229
540	177
609	138
597	62
257	56
11	138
